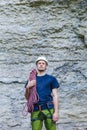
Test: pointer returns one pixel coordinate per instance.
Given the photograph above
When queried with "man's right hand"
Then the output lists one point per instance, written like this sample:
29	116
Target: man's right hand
31	83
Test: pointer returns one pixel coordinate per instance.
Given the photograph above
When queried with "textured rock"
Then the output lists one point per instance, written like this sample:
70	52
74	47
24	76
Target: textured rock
58	30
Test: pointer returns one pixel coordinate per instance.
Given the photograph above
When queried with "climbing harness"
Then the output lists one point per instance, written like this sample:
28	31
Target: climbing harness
41	115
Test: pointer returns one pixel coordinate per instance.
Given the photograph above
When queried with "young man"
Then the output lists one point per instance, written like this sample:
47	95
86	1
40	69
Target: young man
46	109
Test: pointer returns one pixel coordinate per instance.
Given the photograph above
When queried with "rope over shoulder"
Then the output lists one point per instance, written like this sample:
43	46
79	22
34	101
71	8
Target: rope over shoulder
33	97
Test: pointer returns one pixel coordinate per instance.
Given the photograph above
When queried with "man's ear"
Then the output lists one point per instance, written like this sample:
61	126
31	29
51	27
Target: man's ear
46	67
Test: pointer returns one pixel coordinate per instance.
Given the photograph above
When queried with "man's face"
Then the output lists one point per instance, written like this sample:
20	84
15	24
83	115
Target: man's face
41	65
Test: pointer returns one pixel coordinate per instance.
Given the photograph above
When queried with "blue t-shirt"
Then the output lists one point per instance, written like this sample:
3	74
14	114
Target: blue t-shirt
44	86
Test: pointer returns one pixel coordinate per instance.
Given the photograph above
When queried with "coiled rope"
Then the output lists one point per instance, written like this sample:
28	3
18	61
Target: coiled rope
33	97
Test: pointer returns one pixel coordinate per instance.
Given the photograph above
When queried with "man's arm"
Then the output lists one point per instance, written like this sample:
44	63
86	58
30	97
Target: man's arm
55	101
29	85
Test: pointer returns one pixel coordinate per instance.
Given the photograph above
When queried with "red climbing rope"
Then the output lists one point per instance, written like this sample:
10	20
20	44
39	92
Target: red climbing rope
33	97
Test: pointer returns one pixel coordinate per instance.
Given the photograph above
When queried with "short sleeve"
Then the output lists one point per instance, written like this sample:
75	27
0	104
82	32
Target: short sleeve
55	83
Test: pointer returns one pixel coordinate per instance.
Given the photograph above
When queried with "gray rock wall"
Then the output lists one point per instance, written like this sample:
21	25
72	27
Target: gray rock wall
58	30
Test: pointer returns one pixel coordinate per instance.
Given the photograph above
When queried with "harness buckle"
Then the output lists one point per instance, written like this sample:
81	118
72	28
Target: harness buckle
40	108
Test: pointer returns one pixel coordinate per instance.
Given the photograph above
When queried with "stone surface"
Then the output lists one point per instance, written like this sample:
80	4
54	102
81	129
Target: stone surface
58	30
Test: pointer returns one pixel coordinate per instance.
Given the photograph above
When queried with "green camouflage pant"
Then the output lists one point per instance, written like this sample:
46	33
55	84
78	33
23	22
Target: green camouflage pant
38	118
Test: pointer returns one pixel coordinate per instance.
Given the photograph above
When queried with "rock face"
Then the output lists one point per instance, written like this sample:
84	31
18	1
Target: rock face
58	30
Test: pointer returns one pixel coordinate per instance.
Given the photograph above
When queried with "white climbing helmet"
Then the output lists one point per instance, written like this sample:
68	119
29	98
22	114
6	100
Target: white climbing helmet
42	58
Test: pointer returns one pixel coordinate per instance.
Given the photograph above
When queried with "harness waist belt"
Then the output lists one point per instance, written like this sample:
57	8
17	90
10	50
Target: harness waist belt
43	106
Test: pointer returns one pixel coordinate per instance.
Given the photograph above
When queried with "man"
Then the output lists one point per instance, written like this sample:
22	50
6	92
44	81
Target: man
46	109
